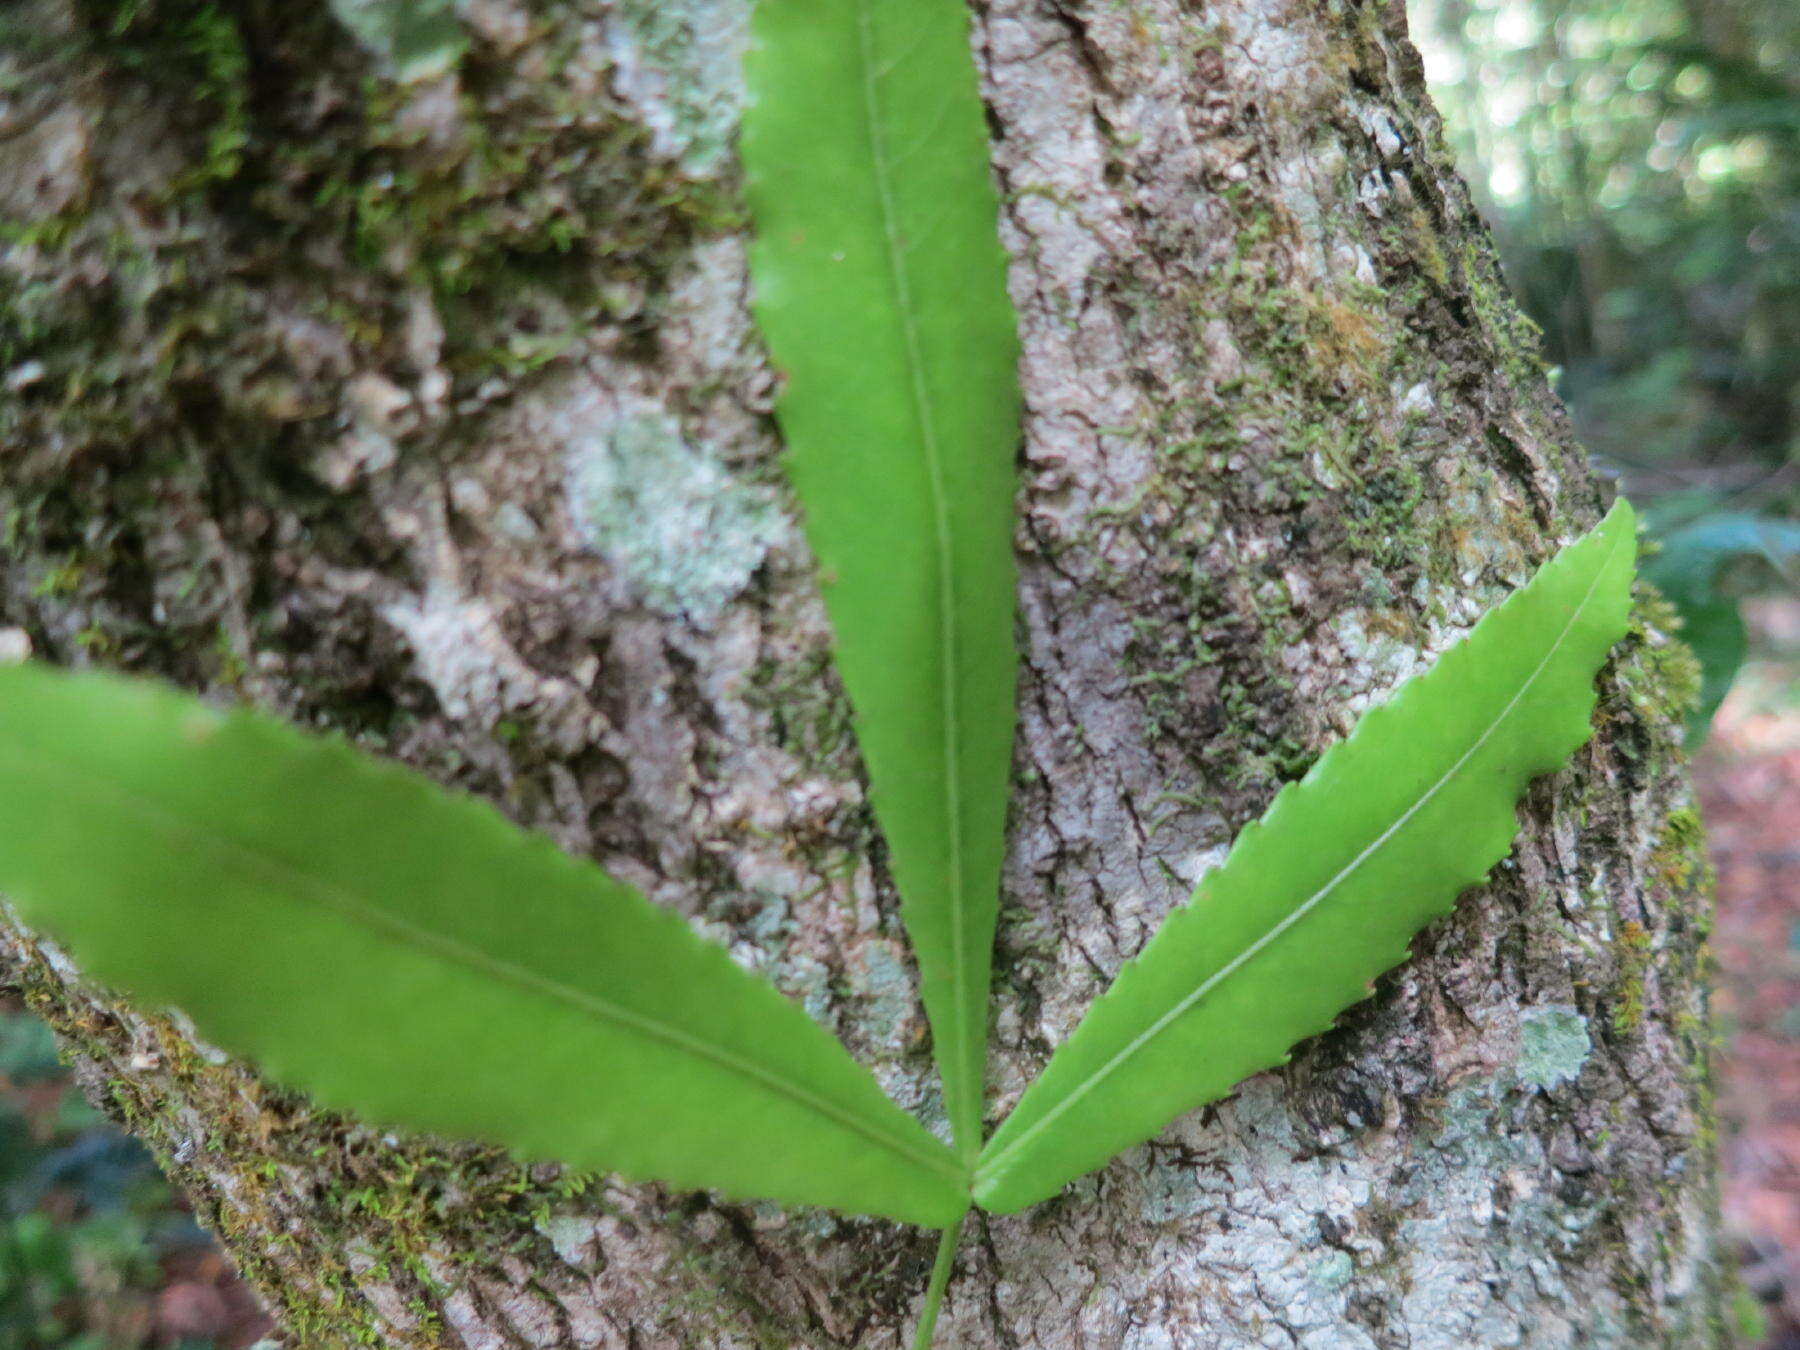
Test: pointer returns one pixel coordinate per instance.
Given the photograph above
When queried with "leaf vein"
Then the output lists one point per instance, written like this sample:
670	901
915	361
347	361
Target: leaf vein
879	155
291	880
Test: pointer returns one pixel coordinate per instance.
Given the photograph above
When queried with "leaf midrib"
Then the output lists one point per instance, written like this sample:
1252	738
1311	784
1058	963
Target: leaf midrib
990	1166
969	1078
289	879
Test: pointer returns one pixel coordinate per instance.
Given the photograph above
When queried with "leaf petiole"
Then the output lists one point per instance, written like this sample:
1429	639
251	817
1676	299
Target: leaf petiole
940	1281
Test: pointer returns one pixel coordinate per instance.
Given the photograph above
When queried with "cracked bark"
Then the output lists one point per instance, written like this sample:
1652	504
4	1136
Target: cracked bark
1285	439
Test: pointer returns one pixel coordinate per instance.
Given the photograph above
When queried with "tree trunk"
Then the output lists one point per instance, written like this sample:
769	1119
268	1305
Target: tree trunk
410	391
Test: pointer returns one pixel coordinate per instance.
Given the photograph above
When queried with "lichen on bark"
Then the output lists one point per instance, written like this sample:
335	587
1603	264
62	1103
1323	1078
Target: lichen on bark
310	362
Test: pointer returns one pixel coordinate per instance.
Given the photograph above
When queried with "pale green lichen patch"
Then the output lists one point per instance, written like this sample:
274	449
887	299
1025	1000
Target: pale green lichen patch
680	62
573	1236
809	980
1492	1236
1333	1270
771	923
416	39
887	986
1386	655
1553	1045
686	534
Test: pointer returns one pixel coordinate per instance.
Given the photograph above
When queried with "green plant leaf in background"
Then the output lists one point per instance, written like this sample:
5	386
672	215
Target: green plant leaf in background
409	955
1694	559
880	289
1325	891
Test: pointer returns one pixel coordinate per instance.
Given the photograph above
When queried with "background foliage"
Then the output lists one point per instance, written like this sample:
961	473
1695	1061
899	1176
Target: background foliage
95	1254
1639	161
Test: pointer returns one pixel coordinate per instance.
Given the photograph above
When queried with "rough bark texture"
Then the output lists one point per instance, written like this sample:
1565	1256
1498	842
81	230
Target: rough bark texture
430	411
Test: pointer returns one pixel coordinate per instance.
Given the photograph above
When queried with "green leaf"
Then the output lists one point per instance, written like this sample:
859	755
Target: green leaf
1714	628
408	955
1694	557
416	39
1325	891
880	288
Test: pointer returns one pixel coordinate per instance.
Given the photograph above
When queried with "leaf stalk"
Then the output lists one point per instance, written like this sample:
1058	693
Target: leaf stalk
940	1281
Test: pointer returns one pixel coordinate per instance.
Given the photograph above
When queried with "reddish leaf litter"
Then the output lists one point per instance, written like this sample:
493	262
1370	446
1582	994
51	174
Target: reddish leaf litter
1749	780
205	1302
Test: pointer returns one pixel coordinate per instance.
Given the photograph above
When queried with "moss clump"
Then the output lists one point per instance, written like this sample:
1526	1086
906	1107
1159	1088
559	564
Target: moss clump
1316	422
1632	954
808	711
269	227
494	191
1658	673
1679	862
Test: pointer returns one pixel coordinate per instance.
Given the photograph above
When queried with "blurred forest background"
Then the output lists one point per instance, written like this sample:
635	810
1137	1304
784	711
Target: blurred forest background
1639	161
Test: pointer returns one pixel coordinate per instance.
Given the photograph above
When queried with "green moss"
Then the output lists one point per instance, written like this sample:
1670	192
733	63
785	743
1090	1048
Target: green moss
807	709
1293	438
1632	954
1519	340
1679	862
1657	672
196	49
186	337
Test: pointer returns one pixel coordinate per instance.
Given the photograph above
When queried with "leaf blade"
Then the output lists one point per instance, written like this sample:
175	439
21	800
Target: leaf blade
1381	836
437	967
1688	569
880	289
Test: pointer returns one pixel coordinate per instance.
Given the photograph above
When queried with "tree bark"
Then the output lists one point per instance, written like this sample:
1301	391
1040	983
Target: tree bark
409	390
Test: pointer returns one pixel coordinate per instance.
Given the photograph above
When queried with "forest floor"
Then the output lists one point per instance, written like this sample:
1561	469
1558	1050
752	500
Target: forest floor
1749	779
